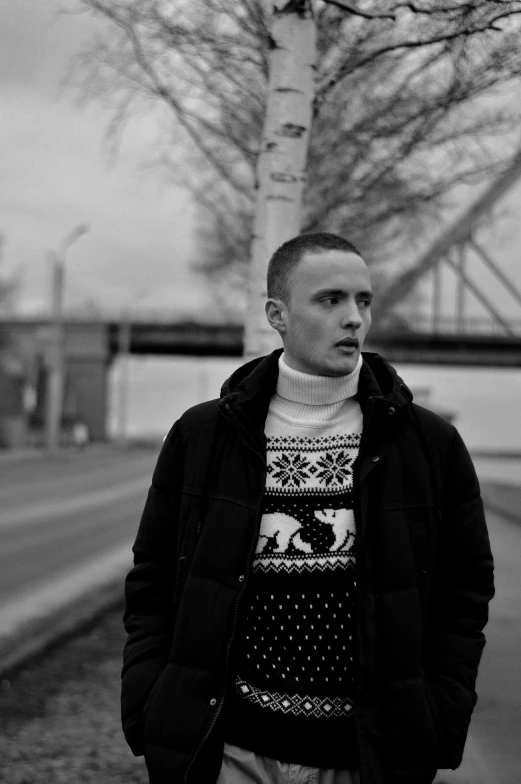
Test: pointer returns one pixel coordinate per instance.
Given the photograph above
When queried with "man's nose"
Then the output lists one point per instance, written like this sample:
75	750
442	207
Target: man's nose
351	316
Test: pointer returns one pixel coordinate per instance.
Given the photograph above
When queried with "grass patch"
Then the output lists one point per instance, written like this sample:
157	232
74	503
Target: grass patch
59	717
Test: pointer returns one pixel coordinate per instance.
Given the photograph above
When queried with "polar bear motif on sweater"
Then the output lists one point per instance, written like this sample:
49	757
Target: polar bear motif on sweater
342	522
283	530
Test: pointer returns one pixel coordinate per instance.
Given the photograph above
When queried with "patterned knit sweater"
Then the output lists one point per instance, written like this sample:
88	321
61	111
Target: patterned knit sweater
294	662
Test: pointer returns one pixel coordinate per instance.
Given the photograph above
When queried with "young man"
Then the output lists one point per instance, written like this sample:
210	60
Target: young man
312	568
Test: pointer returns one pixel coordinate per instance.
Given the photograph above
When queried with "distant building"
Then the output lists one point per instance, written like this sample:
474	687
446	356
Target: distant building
13	414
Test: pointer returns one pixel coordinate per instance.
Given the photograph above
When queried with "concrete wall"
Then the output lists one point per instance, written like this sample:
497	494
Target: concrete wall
13	421
87	385
86	375
88	358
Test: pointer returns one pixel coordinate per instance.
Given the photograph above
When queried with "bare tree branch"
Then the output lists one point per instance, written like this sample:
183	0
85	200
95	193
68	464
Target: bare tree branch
161	90
436	9
402	105
466	28
359	12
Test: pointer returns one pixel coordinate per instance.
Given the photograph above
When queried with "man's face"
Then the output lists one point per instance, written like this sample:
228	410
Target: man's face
324	323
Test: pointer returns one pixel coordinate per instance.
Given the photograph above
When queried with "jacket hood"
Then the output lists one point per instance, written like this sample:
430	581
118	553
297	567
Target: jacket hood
241	373
258	379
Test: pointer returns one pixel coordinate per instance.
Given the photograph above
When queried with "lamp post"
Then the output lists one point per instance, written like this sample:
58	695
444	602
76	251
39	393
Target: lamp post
56	364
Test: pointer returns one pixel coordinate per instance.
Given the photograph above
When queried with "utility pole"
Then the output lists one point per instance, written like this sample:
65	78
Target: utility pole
56	364
55	371
124	338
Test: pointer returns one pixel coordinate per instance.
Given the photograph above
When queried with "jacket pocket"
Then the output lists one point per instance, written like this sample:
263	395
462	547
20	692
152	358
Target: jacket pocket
186	552
147	712
423	535
151	694
191	534
436	720
409	736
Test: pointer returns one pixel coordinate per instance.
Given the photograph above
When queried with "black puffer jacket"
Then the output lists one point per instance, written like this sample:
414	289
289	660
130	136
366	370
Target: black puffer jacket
424	581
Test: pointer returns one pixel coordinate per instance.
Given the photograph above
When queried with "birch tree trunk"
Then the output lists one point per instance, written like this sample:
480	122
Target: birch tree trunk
281	165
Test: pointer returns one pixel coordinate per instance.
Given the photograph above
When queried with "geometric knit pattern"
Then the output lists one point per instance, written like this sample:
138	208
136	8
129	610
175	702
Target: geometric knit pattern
303	706
297	655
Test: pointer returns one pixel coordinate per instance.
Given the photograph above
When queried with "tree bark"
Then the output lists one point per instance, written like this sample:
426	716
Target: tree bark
281	164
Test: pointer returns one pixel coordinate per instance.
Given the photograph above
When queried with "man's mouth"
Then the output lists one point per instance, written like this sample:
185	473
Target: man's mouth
348	342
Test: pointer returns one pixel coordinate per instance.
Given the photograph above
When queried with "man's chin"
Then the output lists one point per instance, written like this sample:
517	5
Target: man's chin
331	364
343	366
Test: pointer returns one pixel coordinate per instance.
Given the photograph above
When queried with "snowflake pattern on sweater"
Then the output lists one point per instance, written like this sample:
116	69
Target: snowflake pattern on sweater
298	623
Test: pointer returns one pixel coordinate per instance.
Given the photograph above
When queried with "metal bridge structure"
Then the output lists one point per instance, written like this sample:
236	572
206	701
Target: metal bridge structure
493	339
475	341
91	346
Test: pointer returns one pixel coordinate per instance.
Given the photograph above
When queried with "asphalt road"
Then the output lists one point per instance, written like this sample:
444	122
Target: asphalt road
493	749
60	516
59	513
496	724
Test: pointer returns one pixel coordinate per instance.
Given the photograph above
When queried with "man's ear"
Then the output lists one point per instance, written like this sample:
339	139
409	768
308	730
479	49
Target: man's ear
276	314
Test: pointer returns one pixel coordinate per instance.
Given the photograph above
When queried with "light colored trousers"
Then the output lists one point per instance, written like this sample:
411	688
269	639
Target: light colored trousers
244	767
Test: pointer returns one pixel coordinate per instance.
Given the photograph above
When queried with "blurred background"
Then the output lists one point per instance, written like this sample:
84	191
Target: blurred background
130	181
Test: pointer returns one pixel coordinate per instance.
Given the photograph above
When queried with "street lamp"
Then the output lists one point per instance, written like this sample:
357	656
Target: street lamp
56	365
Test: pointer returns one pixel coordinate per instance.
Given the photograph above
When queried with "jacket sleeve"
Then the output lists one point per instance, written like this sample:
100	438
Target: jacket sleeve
149	587
463	585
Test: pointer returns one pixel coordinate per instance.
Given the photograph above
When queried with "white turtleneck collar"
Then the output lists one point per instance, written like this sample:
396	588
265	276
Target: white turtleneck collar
315	403
316	390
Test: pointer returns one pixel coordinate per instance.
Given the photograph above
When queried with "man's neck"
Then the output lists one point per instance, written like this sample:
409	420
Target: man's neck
316	390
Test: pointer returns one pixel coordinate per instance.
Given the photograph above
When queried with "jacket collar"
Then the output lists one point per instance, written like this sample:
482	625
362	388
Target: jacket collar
250	388
380	381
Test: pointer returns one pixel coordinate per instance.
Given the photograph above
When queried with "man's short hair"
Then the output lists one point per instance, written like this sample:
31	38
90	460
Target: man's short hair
286	258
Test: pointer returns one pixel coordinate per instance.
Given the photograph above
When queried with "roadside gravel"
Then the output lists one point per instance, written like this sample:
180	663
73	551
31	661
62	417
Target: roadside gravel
59	717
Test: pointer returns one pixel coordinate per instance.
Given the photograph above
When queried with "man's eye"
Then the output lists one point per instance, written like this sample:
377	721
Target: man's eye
365	302
330	300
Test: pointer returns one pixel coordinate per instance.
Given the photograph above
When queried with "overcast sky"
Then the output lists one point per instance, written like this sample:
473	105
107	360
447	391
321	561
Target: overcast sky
56	173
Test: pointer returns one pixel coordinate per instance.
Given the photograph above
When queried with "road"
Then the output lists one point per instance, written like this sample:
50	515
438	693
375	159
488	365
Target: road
497	719
493	750
62	517
65	518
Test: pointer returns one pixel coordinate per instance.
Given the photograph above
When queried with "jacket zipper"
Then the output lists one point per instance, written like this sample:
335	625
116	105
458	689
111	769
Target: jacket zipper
357	506
356	479
232	418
